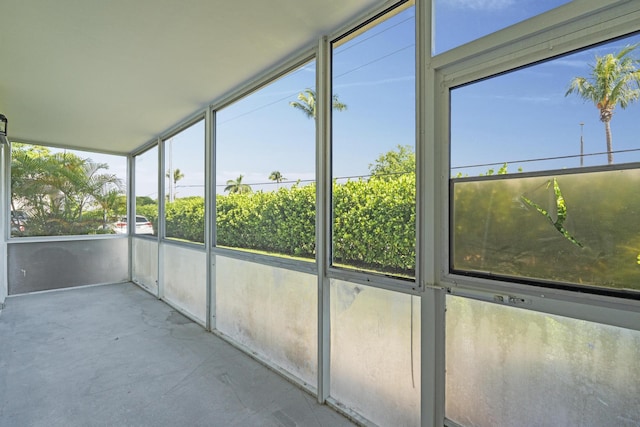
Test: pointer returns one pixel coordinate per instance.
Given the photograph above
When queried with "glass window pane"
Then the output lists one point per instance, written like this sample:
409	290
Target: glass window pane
145	264
58	192
460	21
512	367
271	311
185	280
375	353
184	184
373	165
265	167
526	120
146	194
570	221
573	228
46	265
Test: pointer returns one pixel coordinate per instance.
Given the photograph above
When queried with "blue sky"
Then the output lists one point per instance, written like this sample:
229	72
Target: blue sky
262	133
525	115
516	116
373	75
461	21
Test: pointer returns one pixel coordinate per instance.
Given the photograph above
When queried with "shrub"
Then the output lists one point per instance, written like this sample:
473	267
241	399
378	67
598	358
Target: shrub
185	219
373	226
373	222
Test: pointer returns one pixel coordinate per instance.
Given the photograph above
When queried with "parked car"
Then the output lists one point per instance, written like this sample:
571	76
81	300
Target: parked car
143	225
17	229
18	222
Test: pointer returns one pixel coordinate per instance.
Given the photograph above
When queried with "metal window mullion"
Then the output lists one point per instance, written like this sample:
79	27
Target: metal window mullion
565	37
6	191
210	215
432	338
377	281
429	226
323	213
161	219
560	21
5	195
131	209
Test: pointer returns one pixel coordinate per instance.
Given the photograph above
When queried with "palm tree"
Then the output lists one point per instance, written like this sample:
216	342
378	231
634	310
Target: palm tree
110	201
177	176
236	186
55	188
307	103
277	177
614	80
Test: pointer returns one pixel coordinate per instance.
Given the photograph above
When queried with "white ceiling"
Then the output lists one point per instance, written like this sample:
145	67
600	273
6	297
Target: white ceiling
110	75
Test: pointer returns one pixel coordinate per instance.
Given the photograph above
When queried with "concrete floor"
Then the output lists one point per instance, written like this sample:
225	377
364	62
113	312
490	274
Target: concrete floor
115	356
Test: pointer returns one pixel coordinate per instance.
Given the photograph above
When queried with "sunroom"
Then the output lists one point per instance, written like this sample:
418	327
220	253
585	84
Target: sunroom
407	213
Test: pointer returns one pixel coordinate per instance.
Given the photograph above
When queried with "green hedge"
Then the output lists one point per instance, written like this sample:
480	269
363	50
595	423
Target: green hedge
373	227
374	224
282	221
494	229
185	219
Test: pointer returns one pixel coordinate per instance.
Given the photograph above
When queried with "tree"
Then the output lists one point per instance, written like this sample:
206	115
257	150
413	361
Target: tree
277	177
144	201
56	188
307	103
236	186
111	203
394	163
613	80
97	184
177	176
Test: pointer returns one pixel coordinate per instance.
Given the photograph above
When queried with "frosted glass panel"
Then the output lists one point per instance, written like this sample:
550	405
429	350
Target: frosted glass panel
579	228
375	353
512	367
272	311
145	263
40	266
185	280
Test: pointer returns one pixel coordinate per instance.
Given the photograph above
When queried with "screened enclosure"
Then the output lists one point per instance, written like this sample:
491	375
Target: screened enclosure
415	225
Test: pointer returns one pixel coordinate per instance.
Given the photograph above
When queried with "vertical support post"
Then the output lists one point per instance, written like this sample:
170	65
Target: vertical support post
431	243
5	207
210	214
161	218
323	212
426	167
433	358
131	209
169	143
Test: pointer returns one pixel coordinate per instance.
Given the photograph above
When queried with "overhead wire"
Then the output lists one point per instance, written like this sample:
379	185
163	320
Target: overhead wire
293	94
